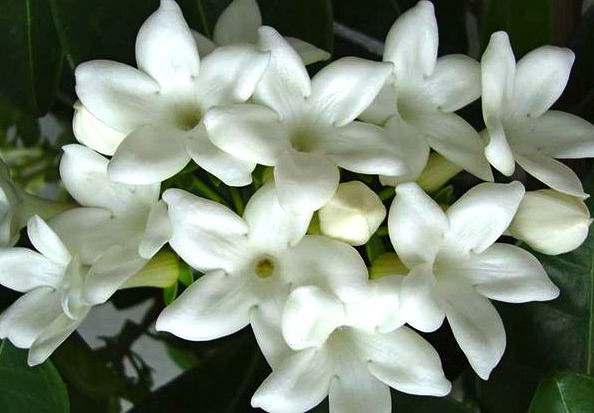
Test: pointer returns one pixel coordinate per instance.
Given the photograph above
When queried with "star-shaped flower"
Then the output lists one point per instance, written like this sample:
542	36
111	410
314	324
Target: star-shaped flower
306	128
456	266
418	102
520	127
151	116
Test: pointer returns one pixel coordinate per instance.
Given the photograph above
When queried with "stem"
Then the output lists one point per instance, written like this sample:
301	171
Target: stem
207	191
387	193
237	200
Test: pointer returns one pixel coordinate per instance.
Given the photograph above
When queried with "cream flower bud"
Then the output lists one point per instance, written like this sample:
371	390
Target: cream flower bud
551	222
353	214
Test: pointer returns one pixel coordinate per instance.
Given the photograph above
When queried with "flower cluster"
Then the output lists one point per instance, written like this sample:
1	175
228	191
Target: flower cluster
286	264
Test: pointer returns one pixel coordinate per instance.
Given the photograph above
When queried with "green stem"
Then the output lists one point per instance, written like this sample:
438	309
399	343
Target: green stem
387	193
237	200
207	191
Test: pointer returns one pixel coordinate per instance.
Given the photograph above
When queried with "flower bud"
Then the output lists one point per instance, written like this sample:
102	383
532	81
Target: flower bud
551	222
162	271
353	214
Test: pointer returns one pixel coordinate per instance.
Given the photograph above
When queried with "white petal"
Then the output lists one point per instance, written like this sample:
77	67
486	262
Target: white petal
454	139
149	155
308	263
552	173
22	270
384	106
231	170
411	146
497	78
355	390
307	51
238	23
285	83
110	271
166	49
310	316
505	272
266	326
89	232
299	383
481	216
230	74
93	133
158	231
455	82
557	134
206	234
305	181
47	242
477	327
367	149
51	338
118	95
416	225
541	76
26	318
216	305
273	228
420	304
411	43
346	87
405	361
204	44
498	152
247	131
84	174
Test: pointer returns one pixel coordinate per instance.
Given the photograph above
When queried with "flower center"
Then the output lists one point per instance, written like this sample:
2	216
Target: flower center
264	267
303	141
187	120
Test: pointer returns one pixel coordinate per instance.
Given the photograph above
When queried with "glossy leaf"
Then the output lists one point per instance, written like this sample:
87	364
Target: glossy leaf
564	393
529	23
31	55
29	389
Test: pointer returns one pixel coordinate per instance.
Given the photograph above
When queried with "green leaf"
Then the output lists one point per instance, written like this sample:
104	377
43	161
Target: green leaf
29	389
31	55
529	23
564	393
170	293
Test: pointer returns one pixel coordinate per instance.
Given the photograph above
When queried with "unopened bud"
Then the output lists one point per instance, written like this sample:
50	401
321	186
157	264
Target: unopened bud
353	214
162	271
551	222
437	173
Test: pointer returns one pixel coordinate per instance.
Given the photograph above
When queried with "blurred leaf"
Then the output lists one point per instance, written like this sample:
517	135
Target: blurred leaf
31	55
29	389
424	404
580	88
529	23
564	393
222	383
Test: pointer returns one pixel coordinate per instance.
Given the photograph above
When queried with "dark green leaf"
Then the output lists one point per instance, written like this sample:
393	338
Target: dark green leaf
29	389
529	23
31	55
223	383
564	393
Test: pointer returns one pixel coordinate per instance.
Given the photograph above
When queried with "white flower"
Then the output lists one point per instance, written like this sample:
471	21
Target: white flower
250	265
419	100
342	349
306	128
18	206
116	221
456	266
520	128
239	23
353	214
151	116
55	287
551	222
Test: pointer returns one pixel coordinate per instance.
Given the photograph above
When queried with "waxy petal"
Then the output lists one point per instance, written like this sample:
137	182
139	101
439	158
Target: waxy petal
238	23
